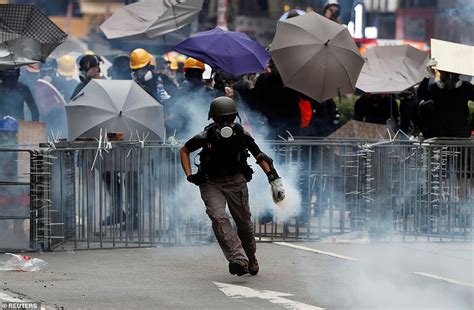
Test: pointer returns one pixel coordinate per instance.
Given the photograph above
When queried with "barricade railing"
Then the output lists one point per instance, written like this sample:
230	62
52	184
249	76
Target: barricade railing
24	182
135	194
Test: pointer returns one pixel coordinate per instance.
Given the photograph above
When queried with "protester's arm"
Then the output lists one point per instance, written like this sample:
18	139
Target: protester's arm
423	92
190	146
30	102
185	161
266	163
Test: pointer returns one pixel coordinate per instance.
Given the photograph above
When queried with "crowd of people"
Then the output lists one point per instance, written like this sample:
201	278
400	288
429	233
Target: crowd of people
184	87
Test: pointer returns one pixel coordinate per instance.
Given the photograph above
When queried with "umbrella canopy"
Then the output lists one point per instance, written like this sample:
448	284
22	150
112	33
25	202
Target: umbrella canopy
149	19
115	105
391	69
233	52
26	35
71	46
316	56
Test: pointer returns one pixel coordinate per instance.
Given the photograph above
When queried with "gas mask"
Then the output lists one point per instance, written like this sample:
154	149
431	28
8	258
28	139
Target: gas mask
224	125
142	75
449	81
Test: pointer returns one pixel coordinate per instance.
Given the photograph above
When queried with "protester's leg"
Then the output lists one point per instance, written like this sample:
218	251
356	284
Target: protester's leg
227	238
238	201
237	196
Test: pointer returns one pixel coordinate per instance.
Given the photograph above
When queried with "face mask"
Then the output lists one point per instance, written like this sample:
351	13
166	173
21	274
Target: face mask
224	126
142	75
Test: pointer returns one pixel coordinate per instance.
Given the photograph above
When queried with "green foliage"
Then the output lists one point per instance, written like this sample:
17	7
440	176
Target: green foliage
346	108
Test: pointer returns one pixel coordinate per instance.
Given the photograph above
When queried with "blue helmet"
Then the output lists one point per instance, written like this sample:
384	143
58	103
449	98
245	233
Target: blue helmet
8	123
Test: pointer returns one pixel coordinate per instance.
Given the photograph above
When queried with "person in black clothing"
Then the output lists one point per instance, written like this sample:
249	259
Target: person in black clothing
376	108
120	69
222	179
324	119
408	111
14	95
89	68
444	111
277	103
143	72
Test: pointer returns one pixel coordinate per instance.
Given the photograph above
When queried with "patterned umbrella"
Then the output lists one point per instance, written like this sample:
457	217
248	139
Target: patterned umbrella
26	35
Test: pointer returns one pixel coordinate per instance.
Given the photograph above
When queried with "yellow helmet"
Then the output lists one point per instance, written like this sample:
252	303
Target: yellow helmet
192	63
66	66
152	60
181	58
139	58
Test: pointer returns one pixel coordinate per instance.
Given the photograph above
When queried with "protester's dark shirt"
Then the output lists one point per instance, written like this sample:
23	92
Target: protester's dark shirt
375	109
450	111
224	155
324	119
78	89
278	104
12	100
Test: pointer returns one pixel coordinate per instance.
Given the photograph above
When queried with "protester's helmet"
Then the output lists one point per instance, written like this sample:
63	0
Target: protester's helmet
8	123
66	66
222	106
152	60
192	63
139	58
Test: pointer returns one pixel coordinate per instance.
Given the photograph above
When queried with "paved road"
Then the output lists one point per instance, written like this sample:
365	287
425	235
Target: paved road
293	275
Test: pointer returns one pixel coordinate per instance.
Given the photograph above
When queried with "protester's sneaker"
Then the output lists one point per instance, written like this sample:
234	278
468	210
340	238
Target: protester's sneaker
238	267
253	266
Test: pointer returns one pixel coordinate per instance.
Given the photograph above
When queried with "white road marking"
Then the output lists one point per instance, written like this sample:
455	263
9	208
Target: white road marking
433	276
237	291
300	247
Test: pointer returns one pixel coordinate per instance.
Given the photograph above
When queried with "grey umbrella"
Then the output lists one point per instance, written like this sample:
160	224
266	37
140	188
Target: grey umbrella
391	69
26	35
316	56
117	106
149	19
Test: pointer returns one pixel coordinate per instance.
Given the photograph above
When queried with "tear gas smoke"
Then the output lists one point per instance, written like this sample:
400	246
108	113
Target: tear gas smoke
194	110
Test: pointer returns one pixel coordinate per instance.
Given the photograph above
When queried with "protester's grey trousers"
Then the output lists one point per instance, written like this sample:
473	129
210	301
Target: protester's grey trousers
215	193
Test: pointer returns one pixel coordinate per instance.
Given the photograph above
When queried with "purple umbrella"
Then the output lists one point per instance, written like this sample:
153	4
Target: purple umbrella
233	52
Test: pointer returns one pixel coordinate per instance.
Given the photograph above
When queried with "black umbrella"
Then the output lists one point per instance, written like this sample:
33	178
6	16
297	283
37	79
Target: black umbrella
26	35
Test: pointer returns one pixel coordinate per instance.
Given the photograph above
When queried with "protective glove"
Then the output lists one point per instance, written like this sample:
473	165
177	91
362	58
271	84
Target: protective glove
429	71
278	192
197	178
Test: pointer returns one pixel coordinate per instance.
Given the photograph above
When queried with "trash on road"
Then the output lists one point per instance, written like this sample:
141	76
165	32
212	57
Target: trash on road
22	263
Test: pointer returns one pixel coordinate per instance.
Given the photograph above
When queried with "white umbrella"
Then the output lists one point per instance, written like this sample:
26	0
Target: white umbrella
391	69
149	19
115	106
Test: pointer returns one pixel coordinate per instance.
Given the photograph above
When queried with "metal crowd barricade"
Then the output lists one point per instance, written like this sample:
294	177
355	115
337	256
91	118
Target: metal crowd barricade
135	194
24	180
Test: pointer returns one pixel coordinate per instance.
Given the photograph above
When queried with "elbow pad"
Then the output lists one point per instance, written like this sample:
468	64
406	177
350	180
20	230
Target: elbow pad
272	174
